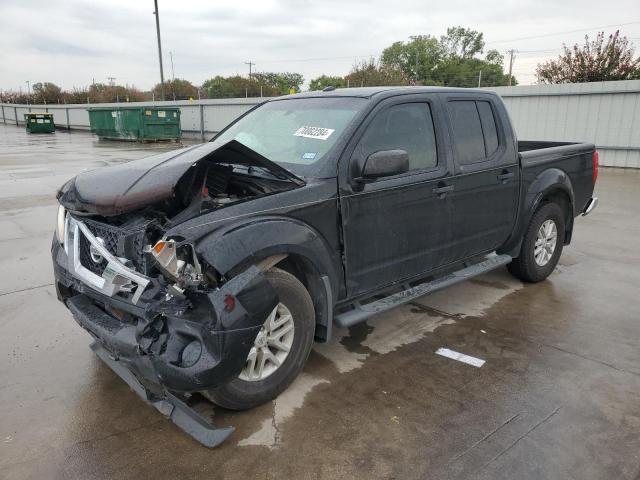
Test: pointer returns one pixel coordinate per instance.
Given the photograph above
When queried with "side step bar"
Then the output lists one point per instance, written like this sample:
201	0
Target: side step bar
361	312
169	405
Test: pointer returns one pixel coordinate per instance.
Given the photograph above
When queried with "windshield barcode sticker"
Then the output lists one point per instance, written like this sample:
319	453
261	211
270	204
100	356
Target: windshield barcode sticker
319	133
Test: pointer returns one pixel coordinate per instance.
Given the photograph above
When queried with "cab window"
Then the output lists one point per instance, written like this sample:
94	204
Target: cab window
408	127
475	134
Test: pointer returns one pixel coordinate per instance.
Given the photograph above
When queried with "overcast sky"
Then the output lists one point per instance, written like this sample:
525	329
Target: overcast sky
71	43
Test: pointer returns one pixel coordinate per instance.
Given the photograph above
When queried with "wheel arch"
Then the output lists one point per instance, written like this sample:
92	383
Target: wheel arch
289	244
561	198
551	185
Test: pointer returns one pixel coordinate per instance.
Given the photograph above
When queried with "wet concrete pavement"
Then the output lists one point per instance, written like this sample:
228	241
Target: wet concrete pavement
558	396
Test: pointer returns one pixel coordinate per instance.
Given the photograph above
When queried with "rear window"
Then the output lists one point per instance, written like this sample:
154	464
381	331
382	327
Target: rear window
467	132
474	130
488	127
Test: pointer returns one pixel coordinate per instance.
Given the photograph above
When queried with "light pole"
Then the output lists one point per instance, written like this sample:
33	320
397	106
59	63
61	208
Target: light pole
157	14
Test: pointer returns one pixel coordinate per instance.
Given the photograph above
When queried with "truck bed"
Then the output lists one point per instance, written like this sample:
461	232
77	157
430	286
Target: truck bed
571	159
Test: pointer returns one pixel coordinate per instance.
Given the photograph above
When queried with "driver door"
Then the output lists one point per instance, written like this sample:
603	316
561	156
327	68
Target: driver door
397	227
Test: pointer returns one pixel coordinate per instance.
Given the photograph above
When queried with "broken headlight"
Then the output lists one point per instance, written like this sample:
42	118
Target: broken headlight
61	224
178	261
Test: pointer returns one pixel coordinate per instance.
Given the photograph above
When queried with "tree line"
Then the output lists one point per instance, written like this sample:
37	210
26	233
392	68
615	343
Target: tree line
456	59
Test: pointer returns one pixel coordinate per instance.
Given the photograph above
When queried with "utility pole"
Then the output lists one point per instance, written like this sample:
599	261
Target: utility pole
251	64
173	74
157	14
111	81
173	78
511	53
479	78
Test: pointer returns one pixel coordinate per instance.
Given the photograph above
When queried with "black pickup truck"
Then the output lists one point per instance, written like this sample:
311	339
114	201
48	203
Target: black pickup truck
213	268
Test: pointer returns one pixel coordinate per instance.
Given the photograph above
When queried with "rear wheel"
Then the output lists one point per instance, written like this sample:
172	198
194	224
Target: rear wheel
280	349
541	246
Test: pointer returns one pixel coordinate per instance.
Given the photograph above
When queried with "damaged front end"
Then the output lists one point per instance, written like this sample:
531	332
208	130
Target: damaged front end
162	319
163	340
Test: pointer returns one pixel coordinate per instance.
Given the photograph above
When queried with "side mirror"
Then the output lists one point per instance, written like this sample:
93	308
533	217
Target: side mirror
385	164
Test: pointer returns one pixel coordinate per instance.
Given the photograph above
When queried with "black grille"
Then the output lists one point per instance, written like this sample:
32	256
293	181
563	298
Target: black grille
126	242
85	257
107	233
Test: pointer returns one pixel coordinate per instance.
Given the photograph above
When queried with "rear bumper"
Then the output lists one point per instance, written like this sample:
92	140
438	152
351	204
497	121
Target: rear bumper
590	206
183	345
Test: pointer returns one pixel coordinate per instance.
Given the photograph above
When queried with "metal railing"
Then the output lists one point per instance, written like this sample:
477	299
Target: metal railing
198	118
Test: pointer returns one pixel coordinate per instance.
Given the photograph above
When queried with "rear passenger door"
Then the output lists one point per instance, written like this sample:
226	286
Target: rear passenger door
486	175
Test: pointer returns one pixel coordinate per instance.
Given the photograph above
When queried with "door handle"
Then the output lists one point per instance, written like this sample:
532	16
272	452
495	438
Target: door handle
441	191
505	176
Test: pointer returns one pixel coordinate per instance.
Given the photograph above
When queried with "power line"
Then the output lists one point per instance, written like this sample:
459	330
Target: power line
560	33
532	37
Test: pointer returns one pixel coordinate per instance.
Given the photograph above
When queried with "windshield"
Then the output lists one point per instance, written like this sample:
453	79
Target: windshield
296	134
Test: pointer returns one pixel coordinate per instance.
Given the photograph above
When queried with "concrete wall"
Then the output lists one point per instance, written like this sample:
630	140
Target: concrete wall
605	113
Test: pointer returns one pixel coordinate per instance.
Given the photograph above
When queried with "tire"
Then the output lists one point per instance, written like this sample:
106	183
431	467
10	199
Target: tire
242	393
526	267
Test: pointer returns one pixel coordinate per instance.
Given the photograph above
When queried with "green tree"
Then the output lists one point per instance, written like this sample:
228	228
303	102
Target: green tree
234	86
596	61
267	84
417	58
372	74
177	89
462	42
46	92
324	81
282	82
102	93
452	60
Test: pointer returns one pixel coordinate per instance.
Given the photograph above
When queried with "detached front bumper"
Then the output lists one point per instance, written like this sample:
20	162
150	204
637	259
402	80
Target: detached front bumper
168	343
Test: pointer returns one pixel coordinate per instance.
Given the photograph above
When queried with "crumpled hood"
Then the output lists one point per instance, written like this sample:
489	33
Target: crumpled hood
130	186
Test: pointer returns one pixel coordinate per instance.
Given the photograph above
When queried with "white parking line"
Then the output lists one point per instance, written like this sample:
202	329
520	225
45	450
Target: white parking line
461	357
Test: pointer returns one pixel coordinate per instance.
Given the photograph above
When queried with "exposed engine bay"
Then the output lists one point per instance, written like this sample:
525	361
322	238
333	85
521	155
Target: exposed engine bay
137	238
129	218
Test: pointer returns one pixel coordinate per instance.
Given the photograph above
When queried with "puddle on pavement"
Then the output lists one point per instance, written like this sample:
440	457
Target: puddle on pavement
382	334
357	334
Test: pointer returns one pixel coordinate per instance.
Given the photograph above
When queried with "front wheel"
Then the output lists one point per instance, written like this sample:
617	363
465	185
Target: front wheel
280	349
541	246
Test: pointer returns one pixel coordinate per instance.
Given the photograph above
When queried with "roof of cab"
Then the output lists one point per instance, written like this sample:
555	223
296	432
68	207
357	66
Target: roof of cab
369	92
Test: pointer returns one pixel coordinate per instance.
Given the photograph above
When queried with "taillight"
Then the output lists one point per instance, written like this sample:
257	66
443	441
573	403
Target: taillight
596	162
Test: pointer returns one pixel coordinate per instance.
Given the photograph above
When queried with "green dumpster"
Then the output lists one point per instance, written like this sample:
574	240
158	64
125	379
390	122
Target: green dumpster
143	124
39	122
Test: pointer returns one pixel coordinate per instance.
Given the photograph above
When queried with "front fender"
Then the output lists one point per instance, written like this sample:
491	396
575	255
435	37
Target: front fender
238	245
